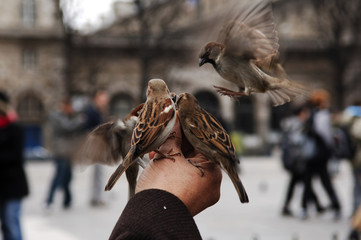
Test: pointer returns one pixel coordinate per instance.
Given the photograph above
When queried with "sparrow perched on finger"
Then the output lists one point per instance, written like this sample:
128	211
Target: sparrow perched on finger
209	138
155	123
246	53
109	143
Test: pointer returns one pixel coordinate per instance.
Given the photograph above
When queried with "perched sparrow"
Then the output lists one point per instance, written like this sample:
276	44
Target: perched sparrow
209	138
155	122
109	143
246	53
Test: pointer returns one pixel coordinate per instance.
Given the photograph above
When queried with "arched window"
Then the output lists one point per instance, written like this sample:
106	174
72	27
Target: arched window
278	114
31	113
208	101
244	115
30	108
120	105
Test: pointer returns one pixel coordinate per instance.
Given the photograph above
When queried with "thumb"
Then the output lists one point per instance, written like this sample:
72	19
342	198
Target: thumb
174	141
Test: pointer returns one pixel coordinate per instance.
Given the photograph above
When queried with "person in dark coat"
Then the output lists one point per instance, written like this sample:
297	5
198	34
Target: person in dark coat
320	123
66	126
13	181
293	129
94	116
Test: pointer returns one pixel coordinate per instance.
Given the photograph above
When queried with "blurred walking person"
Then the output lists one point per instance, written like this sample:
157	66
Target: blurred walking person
13	181
66	126
321	125
94	116
354	117
349	121
295	157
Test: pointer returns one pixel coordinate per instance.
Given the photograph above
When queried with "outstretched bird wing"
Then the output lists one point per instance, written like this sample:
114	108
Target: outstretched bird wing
102	145
251	34
109	142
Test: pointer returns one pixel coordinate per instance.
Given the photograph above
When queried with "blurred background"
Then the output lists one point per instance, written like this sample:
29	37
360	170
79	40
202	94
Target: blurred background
55	48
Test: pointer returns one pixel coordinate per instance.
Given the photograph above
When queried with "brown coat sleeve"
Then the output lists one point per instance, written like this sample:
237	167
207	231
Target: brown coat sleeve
155	214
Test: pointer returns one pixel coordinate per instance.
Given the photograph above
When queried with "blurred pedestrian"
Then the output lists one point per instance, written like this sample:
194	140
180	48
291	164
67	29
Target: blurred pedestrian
66	126
94	116
348	122
321	126
13	181
295	158
354	115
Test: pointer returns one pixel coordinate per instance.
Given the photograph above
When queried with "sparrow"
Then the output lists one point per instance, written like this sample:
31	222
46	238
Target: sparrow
155	123
109	143
209	138
246	53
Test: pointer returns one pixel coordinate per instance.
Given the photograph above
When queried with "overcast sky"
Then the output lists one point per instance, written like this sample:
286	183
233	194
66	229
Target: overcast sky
85	14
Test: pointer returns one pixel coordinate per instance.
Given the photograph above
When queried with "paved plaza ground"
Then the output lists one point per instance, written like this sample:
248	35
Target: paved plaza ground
264	180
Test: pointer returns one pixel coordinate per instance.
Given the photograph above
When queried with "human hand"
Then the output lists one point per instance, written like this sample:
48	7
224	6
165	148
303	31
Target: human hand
181	178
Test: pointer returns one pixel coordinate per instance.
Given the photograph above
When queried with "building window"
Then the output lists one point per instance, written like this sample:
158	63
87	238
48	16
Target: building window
244	115
29	58
30	108
28	12
278	114
208	101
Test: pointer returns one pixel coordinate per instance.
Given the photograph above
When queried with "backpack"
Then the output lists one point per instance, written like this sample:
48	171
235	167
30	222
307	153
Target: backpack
344	148
298	148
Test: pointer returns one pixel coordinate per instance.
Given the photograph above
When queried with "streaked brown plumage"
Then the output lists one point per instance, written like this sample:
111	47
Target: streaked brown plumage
246	53
209	138
155	122
109	143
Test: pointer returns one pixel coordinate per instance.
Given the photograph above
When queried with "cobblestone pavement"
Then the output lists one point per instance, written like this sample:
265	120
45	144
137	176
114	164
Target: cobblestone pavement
264	180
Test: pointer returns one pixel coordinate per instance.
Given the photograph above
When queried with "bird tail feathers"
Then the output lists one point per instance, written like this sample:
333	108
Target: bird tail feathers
119	171
132	174
239	186
287	92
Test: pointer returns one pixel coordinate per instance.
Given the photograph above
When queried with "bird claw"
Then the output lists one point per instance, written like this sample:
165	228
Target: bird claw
227	92
167	155
171	135
197	166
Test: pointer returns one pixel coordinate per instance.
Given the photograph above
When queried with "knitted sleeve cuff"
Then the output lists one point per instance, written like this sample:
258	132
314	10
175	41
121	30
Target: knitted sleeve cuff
155	214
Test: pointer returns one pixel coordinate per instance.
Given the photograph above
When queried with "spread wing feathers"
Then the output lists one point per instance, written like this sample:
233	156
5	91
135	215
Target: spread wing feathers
216	138
108	142
102	145
252	33
150	124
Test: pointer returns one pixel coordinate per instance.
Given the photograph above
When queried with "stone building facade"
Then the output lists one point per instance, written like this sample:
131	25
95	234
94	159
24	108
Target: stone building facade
32	60
40	63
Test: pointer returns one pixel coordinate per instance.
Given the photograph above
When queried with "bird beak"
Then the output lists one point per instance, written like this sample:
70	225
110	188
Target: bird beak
174	97
202	61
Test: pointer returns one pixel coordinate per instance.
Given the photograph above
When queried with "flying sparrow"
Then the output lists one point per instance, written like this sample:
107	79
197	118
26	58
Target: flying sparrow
155	123
209	138
246	53
109	143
